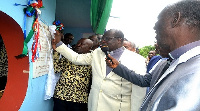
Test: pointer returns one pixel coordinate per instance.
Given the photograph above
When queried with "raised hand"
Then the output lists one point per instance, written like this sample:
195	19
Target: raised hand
57	39
58	36
53	43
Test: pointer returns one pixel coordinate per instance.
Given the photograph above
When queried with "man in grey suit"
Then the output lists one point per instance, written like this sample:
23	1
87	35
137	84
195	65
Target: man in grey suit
178	87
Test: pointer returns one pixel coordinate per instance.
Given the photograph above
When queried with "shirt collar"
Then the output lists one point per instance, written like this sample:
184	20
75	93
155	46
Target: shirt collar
117	51
183	49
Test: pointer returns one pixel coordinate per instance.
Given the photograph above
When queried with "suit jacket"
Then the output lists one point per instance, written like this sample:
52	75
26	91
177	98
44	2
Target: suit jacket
178	89
146	80
153	61
111	92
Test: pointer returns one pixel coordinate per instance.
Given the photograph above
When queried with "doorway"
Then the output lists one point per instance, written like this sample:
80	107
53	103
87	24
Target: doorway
17	81
3	67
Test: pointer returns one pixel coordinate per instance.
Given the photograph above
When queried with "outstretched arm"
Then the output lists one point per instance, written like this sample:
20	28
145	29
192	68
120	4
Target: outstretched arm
123	71
78	59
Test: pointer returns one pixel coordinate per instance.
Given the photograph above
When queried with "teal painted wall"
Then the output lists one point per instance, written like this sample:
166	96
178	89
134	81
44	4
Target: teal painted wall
34	100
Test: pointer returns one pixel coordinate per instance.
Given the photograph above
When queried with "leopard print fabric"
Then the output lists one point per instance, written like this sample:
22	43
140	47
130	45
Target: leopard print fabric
3	61
74	82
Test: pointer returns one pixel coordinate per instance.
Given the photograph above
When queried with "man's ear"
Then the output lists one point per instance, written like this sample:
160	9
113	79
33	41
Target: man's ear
176	19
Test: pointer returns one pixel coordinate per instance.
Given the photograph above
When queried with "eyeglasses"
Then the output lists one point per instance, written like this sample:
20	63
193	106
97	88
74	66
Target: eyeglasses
107	38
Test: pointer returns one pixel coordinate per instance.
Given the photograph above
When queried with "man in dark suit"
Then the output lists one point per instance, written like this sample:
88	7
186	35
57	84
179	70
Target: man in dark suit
176	87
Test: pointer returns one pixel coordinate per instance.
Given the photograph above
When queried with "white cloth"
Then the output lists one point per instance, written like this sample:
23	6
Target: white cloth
52	30
52	79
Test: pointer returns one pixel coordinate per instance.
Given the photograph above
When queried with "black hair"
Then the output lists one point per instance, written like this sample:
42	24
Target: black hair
188	9
67	35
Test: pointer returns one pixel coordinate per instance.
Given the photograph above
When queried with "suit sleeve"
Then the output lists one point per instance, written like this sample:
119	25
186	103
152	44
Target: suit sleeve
77	59
137	79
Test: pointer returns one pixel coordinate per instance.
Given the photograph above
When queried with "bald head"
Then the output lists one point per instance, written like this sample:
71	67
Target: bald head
83	46
95	41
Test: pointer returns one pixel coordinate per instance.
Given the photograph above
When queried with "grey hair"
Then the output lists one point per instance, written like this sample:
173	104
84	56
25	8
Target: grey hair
132	44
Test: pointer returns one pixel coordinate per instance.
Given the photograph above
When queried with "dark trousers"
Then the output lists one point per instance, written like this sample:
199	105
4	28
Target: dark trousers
61	105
